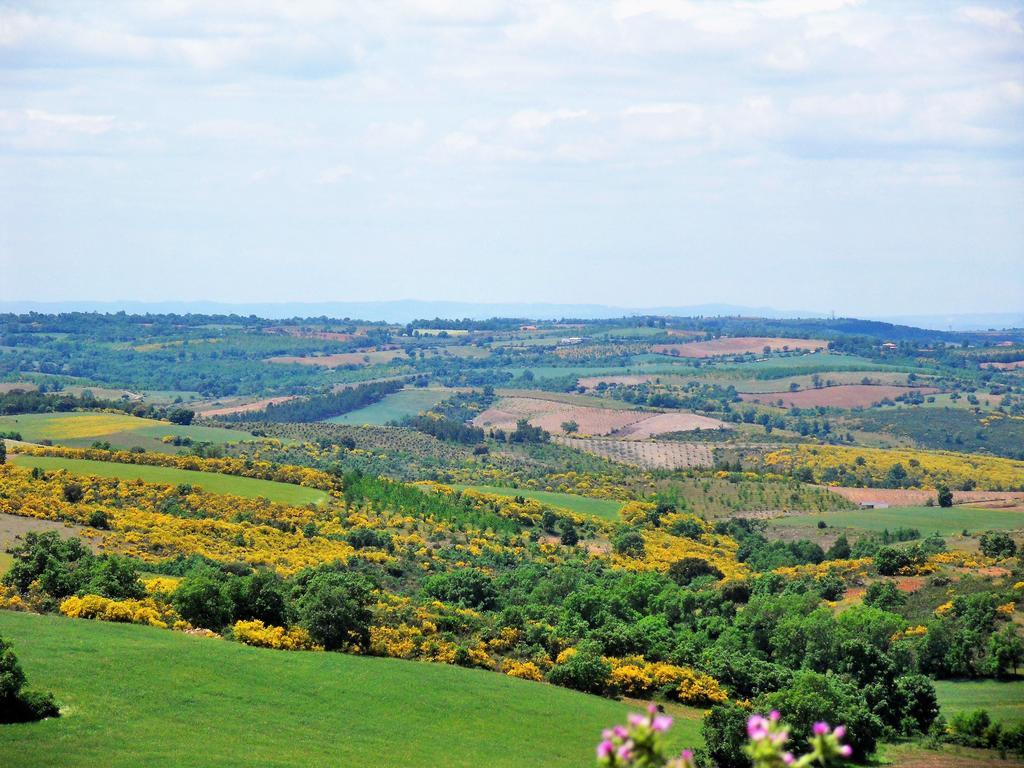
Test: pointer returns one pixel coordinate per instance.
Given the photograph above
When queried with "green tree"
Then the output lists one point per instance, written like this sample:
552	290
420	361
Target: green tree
724	731
1005	652
997	544
334	607
584	671
467	587
945	496
201	600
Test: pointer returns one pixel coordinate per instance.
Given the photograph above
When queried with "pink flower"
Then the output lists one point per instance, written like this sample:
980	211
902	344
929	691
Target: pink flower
774	715
620	731
687	754
636	720
605	749
846	750
757	727
652	709
839	732
661	723
787	758
820	729
625	751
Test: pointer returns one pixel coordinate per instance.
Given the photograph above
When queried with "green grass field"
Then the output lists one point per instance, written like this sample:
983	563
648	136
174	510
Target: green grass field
134	696
394	407
583	505
82	428
1003	700
250	487
926	519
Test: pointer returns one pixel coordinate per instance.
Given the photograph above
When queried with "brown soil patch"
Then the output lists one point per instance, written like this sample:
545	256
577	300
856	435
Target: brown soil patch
256	405
366	357
909	583
843	396
737	346
301	333
14	527
896	497
1005	366
550	415
668	422
16	386
949	756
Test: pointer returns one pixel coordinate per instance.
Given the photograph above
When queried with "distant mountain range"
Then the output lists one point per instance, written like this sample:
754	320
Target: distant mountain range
404	311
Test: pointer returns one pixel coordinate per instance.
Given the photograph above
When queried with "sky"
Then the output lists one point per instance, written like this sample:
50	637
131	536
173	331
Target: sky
862	157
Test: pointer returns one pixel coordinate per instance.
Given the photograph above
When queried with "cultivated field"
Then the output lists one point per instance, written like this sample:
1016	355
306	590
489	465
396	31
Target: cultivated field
17	386
369	357
551	415
944	521
739	345
1015	365
843	396
1003	700
82	428
644	454
664	423
127	704
394	407
214	410
255	488
900	497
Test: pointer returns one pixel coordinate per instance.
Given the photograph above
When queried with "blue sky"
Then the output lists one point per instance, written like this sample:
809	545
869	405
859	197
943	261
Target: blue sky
863	157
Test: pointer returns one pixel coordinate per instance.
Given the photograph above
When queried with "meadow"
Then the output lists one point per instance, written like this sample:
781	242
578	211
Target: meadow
394	407
124	705
1003	700
83	428
945	521
607	509
249	487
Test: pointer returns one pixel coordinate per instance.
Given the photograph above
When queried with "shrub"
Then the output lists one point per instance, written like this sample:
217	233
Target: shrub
687	569
815	697
268	636
628	542
468	587
19	704
334	608
583	670
201	600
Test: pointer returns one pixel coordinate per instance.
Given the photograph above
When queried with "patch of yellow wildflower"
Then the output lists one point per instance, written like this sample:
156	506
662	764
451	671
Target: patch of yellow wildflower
145	611
842	465
524	670
268	636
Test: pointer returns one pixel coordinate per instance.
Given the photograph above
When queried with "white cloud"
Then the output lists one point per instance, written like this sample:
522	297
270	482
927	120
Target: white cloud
334	175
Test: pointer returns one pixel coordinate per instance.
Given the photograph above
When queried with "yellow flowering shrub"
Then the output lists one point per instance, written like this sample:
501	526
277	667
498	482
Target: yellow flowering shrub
698	689
145	611
264	470
910	632
268	636
524	670
924	469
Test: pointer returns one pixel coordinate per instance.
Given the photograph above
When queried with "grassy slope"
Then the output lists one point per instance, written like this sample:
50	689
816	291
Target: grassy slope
926	519
82	428
1003	700
394	407
140	696
604	508
249	487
